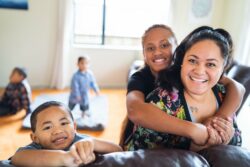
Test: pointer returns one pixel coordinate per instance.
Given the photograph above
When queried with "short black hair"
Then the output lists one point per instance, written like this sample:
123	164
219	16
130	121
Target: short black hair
21	71
42	107
82	58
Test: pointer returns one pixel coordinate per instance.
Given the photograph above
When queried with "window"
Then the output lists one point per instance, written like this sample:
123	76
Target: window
117	22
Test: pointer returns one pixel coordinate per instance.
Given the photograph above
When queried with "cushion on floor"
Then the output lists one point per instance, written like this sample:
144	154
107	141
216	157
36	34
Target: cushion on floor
98	111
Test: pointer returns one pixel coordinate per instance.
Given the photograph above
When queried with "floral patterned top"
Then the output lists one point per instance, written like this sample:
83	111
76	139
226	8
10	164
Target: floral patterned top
172	103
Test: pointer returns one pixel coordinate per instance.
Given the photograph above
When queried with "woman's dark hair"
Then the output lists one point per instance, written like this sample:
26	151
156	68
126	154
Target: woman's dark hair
170	77
42	107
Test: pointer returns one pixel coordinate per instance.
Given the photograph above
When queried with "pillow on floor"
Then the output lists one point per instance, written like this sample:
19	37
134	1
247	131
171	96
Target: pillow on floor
97	114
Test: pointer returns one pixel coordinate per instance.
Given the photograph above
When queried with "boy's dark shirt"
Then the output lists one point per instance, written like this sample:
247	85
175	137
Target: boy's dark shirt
15	97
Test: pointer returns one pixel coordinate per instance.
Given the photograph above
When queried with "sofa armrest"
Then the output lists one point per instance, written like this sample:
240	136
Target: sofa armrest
240	73
149	158
227	155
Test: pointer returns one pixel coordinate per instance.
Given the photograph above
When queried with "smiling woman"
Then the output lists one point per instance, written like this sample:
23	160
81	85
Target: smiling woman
191	81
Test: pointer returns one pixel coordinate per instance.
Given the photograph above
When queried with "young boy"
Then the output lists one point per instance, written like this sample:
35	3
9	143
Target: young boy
17	94
56	142
81	82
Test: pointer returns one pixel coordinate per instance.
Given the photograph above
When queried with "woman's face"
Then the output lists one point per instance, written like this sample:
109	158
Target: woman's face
157	49
202	67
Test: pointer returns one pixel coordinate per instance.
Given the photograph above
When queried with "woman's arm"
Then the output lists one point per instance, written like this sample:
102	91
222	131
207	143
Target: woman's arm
149	116
45	158
233	98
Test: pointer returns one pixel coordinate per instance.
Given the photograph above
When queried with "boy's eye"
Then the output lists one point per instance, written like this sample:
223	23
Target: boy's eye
64	123
46	127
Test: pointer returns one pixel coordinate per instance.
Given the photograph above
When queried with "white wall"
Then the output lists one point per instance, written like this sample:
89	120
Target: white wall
183	21
28	38
110	66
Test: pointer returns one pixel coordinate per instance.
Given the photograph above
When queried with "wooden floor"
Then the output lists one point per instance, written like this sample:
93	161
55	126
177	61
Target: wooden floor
12	136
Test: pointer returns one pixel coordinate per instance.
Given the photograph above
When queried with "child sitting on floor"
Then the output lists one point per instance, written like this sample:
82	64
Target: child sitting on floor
81	82
17	94
56	142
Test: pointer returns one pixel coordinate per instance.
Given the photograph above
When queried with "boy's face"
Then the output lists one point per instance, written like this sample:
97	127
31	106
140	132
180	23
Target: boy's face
55	129
83	65
15	77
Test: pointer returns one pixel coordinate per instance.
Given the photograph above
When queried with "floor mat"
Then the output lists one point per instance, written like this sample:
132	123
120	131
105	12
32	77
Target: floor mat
97	114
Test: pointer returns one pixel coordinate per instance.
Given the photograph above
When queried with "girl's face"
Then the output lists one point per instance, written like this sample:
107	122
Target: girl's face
157	49
202	67
55	129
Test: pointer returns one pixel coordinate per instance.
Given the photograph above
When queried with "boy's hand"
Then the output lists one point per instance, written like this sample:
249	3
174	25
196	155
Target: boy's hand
85	150
72	158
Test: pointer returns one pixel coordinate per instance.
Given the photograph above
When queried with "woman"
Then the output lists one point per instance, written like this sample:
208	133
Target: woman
188	91
158	44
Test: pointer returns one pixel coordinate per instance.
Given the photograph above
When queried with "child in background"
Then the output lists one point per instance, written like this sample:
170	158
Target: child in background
56	142
17	94
81	82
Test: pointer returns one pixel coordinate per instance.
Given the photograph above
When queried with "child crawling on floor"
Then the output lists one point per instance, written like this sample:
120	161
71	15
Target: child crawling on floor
56	142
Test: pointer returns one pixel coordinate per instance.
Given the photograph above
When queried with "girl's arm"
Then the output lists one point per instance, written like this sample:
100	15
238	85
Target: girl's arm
149	116
45	158
233	98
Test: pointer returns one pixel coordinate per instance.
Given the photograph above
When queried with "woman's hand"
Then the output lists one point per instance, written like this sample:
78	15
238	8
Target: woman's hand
213	139
225	128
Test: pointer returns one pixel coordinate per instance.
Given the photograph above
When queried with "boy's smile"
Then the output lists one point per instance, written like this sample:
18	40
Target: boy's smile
54	129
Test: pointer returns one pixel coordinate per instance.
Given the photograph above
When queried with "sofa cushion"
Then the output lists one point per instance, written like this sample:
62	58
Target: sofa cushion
241	73
149	158
227	155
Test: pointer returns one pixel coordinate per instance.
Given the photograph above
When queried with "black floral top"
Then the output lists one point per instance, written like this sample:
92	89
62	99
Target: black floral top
172	103
15	97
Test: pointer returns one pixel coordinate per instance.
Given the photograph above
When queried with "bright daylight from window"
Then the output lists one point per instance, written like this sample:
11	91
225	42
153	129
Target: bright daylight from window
119	23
